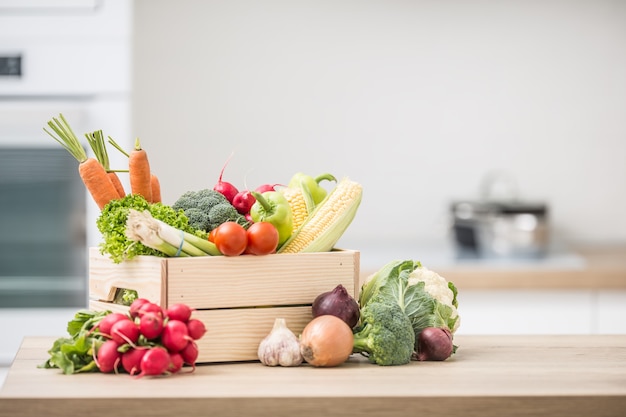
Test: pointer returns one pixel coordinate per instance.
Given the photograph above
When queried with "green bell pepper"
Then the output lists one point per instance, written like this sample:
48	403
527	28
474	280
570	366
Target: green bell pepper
273	207
312	184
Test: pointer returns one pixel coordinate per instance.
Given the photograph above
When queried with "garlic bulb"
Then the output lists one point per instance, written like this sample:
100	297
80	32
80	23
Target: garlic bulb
280	346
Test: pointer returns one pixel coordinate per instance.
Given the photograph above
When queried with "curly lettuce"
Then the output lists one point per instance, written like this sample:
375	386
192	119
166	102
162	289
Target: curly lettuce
112	225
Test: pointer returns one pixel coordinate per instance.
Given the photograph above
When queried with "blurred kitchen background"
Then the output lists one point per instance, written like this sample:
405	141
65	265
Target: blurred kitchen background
467	122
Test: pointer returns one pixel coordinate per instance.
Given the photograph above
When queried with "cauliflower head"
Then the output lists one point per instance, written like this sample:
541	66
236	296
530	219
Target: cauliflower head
439	289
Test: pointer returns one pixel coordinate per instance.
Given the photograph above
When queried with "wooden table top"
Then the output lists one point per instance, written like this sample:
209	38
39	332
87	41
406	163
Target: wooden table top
489	376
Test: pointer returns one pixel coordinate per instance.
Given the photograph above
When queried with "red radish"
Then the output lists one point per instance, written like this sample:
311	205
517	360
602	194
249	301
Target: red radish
266	187
175	335
243	201
196	328
131	360
190	354
136	305
151	325
176	362
227	189
150	307
154	362
181	312
249	218
109	320
125	331
108	358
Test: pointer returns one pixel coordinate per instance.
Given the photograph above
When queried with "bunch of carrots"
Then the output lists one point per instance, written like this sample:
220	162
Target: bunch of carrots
102	182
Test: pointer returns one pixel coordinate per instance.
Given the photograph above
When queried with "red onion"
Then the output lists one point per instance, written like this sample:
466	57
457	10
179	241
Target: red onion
434	344
337	303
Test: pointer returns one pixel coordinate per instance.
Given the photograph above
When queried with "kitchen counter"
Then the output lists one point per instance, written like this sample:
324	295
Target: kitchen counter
584	268
489	376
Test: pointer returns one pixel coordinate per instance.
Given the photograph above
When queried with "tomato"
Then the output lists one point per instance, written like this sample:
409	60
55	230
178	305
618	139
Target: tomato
211	236
230	238
262	238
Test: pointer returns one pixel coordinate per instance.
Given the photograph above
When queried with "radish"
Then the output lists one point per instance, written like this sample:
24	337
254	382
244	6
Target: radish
243	201
151	325
266	187
136	305
108	358
108	321
154	362
227	189
150	307
131	360
176	362
175	335
196	328
190	354
181	312
125	331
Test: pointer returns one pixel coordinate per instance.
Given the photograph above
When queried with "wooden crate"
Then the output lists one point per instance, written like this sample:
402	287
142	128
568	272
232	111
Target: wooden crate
237	298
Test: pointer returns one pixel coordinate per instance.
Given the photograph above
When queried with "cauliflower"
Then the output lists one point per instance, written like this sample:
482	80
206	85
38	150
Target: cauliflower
425	296
438	288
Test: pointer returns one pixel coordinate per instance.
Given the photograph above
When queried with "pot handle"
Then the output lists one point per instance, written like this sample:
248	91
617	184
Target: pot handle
499	186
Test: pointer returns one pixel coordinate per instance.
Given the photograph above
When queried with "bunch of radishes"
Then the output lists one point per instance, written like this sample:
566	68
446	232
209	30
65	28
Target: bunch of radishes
149	340
242	200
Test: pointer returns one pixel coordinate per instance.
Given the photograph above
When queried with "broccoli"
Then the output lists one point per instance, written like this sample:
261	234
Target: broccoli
224	212
206	209
385	334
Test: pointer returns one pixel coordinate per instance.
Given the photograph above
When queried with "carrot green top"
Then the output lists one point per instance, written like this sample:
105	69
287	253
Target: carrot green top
67	138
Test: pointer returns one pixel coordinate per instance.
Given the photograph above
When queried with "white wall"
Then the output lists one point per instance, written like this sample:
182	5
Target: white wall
417	100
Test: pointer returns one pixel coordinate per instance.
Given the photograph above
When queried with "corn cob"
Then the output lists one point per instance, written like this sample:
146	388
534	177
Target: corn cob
328	221
300	202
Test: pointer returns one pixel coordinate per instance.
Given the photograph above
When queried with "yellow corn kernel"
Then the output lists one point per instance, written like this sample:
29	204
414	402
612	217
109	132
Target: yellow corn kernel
327	223
295	198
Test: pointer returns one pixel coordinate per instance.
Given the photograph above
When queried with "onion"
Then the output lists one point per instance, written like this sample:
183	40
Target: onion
326	341
434	344
337	303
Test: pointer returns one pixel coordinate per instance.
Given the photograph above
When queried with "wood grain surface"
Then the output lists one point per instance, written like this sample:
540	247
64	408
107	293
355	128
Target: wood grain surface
489	376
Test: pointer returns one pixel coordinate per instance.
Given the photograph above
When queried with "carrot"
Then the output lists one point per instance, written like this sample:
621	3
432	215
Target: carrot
139	172
96	141
155	185
91	171
117	183
97	181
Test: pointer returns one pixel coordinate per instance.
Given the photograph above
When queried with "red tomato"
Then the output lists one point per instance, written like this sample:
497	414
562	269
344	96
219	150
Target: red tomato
230	238
262	238
211	236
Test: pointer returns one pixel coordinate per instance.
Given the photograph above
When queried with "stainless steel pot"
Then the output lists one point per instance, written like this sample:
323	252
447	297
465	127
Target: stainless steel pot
503	227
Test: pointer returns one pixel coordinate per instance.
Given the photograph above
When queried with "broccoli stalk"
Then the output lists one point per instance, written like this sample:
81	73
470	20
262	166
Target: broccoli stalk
385	335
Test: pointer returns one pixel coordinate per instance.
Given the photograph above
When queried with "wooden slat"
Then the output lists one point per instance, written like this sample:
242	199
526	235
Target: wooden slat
273	280
145	274
235	334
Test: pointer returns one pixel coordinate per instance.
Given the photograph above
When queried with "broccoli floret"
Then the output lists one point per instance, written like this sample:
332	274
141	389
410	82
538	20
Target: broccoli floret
224	212
197	218
206	209
385	334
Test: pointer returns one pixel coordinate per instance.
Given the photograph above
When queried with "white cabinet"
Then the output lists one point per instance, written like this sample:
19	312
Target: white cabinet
611	311
542	311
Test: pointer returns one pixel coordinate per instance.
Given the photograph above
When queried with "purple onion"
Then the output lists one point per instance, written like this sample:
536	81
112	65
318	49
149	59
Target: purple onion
337	303
434	344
